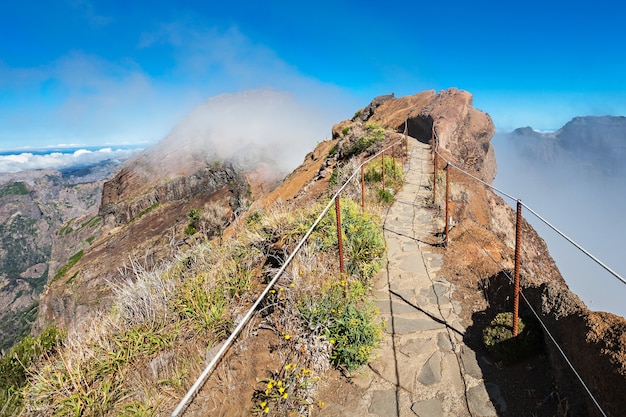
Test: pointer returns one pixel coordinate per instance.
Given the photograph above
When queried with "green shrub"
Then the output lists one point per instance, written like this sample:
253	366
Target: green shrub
499	341
384	196
349	322
333	179
393	177
363	240
375	133
345	130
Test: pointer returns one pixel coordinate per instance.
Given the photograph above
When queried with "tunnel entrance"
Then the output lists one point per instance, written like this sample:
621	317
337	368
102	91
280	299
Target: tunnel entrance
420	128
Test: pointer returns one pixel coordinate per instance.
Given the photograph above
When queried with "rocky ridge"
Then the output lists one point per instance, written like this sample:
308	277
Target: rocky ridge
145	215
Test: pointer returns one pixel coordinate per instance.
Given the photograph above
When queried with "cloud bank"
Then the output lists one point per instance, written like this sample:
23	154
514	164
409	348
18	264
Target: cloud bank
61	160
85	98
586	204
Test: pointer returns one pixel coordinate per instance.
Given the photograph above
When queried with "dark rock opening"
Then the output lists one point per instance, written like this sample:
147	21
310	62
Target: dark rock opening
420	128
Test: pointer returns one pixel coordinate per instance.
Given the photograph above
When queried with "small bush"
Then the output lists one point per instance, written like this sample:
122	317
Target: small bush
375	133
288	390
384	196
349	322
499	341
364	243
346	130
393	177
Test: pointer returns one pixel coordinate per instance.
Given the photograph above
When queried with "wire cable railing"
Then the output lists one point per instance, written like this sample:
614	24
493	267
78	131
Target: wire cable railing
193	390
511	280
534	212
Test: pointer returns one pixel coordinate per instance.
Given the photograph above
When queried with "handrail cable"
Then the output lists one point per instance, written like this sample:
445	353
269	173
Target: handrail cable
578	246
583	250
545	328
200	381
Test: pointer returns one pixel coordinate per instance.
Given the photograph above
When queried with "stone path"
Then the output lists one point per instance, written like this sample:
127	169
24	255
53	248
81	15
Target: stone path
423	367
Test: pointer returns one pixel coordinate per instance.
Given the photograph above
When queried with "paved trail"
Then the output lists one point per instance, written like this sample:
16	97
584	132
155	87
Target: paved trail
423	367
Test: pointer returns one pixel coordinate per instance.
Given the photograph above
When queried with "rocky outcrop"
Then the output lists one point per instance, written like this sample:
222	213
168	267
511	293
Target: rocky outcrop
120	207
447	119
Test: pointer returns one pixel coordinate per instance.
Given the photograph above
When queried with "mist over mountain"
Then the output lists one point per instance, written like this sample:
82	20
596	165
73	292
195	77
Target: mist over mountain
574	178
596	144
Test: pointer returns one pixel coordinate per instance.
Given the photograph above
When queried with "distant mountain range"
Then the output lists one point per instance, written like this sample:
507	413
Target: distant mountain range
46	216
596	142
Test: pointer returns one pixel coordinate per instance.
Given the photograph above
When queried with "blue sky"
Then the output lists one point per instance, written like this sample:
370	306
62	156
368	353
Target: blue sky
107	72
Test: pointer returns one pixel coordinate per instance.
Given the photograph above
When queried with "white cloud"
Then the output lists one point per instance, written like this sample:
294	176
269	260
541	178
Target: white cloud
85	98
60	160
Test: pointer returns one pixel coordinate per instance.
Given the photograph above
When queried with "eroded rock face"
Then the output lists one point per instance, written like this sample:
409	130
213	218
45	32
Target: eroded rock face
447	118
119	205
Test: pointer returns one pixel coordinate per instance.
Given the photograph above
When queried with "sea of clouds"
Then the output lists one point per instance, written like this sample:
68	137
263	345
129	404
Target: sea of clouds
62	158
587	205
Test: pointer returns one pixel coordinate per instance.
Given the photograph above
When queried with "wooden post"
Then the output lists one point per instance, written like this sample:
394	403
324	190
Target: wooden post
518	245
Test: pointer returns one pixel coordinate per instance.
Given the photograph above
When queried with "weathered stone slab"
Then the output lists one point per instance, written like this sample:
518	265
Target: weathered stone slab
479	403
401	325
468	357
496	396
416	347
431	371
443	341
384	403
428	408
398	307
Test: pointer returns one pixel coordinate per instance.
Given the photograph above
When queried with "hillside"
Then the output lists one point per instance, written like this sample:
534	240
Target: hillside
44	220
184	253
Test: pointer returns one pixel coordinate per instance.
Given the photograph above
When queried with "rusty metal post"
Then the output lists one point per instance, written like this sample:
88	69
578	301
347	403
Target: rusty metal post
362	189
447	204
518	246
342	268
435	178
382	160
393	158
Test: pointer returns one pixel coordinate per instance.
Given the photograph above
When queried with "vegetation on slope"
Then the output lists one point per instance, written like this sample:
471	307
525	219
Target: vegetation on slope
142	356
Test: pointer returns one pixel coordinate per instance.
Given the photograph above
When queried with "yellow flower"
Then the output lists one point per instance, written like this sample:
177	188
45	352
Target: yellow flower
320	404
292	285
332	340
267	410
287	337
288	366
263	404
285	395
280	289
281	390
280	383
